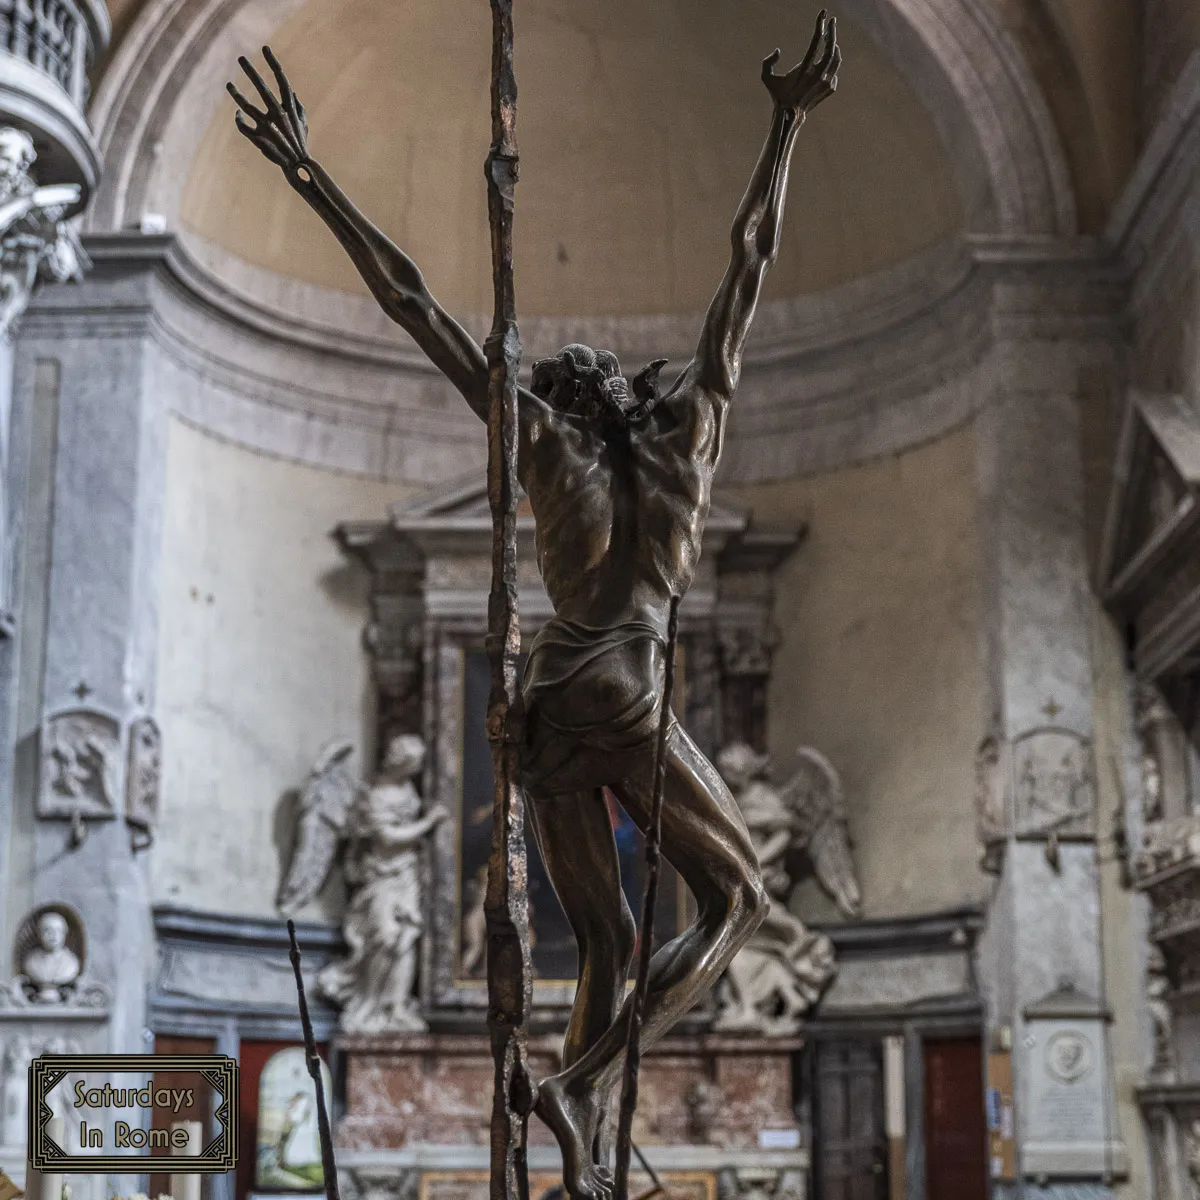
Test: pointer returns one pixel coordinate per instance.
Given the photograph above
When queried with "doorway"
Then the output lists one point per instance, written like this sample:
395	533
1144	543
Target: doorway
851	1142
955	1126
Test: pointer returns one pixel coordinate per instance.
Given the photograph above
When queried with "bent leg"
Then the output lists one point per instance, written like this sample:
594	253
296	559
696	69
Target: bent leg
705	839
574	834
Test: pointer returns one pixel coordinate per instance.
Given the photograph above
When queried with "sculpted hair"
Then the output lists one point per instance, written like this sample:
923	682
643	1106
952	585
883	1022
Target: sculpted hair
589	383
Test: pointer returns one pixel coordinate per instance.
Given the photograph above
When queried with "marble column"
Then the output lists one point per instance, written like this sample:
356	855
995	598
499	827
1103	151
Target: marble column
1041	958
86	366
36	247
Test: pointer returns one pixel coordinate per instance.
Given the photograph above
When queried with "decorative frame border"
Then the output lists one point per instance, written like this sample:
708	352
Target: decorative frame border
47	1070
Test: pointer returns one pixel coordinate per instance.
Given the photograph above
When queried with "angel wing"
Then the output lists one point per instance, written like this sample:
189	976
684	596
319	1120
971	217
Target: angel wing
323	811
814	795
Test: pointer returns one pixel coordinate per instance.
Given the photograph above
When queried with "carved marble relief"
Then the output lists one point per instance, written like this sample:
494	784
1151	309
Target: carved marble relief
1162	1018
36	244
1037	787
19	1050
380	830
80	766
991	799
784	968
1054	787
1191	1154
761	1183
1166	865
50	956
143	780
1066	1088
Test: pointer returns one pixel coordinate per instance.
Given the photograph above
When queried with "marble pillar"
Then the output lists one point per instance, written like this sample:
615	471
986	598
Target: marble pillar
85	365
1040	959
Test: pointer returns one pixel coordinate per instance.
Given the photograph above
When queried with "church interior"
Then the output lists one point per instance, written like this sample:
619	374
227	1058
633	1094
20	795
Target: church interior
942	644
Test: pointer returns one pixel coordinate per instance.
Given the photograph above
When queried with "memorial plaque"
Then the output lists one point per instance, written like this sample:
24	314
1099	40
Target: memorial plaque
1068	1116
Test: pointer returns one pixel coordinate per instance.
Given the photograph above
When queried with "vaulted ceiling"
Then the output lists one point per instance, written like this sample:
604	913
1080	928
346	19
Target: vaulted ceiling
640	120
639	126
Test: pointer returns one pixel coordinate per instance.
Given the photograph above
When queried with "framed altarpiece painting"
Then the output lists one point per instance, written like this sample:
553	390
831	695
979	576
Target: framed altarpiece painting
430	566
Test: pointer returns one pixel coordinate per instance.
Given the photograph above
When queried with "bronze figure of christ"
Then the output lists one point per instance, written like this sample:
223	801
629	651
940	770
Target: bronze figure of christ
619	475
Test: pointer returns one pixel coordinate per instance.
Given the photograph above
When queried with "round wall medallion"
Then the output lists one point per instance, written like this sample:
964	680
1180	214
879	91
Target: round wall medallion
1068	1056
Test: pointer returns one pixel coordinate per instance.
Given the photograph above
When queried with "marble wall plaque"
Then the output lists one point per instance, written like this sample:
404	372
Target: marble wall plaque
1069	1119
81	766
1054	785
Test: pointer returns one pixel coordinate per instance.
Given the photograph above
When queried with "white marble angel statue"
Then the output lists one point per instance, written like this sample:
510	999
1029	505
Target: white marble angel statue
784	968
382	830
324	809
35	242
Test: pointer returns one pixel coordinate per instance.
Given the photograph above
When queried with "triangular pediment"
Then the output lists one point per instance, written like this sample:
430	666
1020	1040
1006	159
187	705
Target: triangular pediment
1066	1003
1155	501
462	504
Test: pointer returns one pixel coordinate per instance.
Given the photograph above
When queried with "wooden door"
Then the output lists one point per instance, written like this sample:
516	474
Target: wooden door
955	1127
851	1142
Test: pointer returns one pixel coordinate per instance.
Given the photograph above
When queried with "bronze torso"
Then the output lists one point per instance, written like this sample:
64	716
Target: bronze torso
620	510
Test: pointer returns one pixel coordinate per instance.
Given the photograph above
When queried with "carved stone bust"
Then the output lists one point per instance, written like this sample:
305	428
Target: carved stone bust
49	956
51	965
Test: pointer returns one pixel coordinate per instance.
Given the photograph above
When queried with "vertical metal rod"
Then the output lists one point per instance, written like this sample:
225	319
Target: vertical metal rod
633	1049
328	1165
510	988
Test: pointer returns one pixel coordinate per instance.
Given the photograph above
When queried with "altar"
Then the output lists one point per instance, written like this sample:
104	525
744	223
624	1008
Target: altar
708	1107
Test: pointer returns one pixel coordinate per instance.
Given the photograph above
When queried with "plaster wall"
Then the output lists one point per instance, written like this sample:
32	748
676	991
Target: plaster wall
1099	34
639	127
1171	34
260	661
880	665
261	664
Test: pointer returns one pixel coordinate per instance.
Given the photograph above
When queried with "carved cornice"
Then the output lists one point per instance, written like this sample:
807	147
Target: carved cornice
873	367
189	926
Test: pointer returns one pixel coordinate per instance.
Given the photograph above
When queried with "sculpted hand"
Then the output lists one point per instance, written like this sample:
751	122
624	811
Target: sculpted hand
281	132
815	79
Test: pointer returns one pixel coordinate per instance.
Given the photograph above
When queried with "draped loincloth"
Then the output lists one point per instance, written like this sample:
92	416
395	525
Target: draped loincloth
592	696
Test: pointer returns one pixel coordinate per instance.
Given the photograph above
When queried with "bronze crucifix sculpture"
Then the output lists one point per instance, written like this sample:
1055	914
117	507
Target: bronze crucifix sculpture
619	474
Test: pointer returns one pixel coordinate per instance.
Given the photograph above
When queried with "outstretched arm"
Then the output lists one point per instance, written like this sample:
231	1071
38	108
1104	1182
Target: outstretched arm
756	227
281	133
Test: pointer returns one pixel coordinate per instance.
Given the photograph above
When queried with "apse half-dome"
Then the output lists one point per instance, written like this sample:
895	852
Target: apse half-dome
639	124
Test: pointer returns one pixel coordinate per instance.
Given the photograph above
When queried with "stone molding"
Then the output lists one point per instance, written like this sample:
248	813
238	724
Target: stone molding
974	80
213	967
1144	227
887	362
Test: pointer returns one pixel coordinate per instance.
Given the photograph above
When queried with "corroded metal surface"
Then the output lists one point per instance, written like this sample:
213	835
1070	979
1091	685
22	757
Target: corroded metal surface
633	1048
509	971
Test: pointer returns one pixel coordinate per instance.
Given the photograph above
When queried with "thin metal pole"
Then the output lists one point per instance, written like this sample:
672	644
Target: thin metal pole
510	987
633	1049
328	1165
